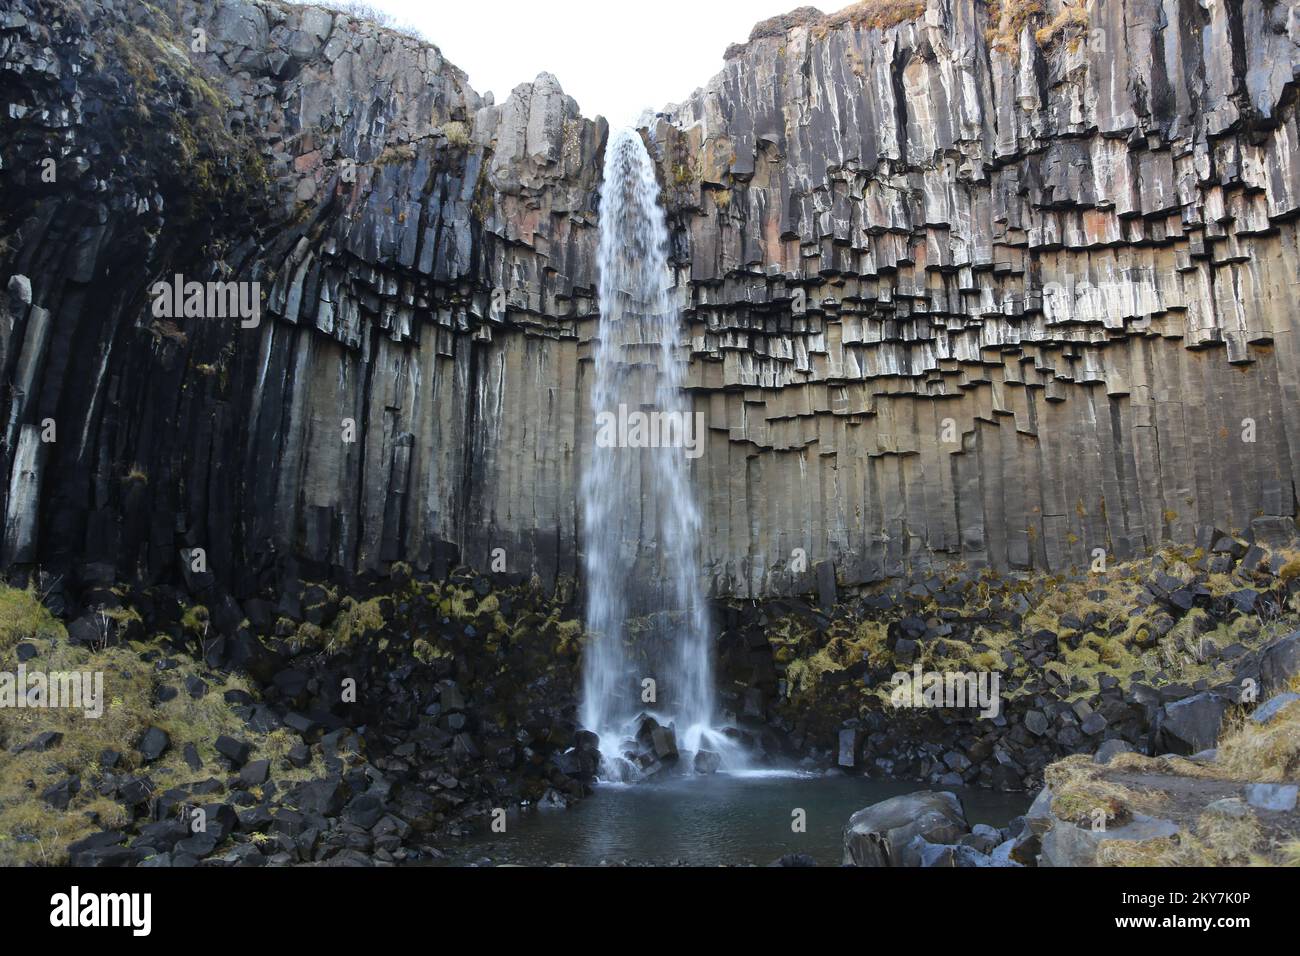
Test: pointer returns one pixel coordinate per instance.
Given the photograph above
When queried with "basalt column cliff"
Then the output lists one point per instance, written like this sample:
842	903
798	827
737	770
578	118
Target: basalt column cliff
1003	283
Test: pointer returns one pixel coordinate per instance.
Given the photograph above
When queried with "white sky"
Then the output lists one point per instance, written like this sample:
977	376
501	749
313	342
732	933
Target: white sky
614	57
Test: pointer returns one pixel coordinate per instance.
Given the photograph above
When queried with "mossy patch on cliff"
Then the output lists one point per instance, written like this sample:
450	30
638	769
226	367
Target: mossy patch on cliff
1008	20
865	643
179	113
875	14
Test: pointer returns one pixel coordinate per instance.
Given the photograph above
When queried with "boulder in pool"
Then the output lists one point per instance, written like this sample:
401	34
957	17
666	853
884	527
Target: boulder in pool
706	761
883	833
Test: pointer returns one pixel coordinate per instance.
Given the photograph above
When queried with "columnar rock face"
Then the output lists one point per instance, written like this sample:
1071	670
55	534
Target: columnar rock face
975	286
1079	255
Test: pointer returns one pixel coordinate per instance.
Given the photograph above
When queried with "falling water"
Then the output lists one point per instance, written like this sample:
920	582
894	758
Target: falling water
645	610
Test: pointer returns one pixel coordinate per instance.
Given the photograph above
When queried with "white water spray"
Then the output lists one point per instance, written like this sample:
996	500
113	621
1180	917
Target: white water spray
640	521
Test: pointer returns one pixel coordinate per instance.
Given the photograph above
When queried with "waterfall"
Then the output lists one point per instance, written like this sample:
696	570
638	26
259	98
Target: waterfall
646	616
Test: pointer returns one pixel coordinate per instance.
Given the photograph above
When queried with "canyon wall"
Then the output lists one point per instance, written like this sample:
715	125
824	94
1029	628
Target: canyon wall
974	286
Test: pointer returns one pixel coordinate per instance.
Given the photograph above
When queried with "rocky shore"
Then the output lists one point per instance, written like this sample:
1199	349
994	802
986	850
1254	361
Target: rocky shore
1233	804
376	727
1148	656
320	729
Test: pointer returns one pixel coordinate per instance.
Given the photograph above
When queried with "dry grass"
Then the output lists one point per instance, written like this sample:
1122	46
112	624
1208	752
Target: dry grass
1267	754
1068	20
1246	752
875	14
457	133
33	832
24	618
1215	840
399	153
1080	788
1008	20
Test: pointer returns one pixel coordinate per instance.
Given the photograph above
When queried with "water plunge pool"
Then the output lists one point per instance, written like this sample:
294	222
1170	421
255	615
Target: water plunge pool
719	820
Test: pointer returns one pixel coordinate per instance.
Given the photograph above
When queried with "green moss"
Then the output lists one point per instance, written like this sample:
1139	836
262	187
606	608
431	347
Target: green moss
426	652
123	615
195	620
570	636
355	621
865	642
309	635
211	163
23	617
456	602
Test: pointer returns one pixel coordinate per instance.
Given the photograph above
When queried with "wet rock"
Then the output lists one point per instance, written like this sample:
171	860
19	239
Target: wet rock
664	743
553	800
982	838
880	835
707	762
931	855
849	740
